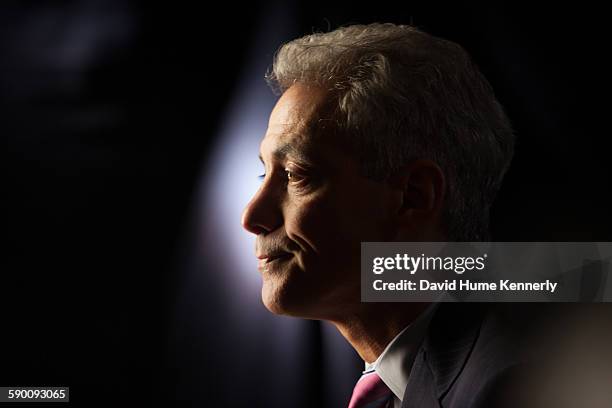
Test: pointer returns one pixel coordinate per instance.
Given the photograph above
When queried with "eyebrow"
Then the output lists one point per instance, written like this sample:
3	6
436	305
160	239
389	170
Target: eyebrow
302	152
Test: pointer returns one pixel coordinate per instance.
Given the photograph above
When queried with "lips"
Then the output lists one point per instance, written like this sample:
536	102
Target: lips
267	260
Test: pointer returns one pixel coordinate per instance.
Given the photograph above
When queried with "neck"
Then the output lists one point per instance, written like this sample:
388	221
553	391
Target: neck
372	326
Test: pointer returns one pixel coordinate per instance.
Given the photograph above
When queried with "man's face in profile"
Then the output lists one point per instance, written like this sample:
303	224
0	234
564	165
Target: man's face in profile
311	212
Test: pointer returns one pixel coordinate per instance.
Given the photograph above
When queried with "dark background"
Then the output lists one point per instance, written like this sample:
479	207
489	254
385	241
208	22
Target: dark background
107	112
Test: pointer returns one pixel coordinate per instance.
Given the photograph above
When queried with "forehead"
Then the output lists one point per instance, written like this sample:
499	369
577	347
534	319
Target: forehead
294	118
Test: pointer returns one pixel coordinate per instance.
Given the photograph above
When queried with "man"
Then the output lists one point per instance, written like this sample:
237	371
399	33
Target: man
382	133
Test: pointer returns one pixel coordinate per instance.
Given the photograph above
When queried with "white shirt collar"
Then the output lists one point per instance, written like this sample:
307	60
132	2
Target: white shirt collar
395	362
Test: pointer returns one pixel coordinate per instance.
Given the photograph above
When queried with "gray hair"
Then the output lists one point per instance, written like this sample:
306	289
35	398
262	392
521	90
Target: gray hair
400	94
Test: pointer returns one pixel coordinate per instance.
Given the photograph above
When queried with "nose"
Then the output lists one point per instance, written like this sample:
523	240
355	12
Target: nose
262	214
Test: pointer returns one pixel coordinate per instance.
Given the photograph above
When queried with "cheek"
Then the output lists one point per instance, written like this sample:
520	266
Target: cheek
310	221
335	223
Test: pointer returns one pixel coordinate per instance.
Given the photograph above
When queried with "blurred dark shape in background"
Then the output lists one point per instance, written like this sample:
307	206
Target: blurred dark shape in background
109	110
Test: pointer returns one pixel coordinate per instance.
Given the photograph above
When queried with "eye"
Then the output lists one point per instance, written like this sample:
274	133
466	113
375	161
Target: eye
291	176
294	177
262	176
299	178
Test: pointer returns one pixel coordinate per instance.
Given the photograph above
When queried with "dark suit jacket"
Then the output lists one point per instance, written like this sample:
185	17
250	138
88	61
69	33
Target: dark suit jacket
474	355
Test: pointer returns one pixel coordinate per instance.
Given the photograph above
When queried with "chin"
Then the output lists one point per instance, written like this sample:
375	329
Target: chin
278	299
270	301
295	301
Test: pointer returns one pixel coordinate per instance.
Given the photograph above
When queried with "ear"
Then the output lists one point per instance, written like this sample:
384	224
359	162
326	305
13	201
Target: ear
421	186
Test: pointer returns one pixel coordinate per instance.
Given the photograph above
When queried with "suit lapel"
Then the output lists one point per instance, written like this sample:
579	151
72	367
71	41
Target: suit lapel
450	339
420	391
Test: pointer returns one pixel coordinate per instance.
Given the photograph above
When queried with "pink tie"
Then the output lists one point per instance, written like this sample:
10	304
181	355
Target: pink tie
370	392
